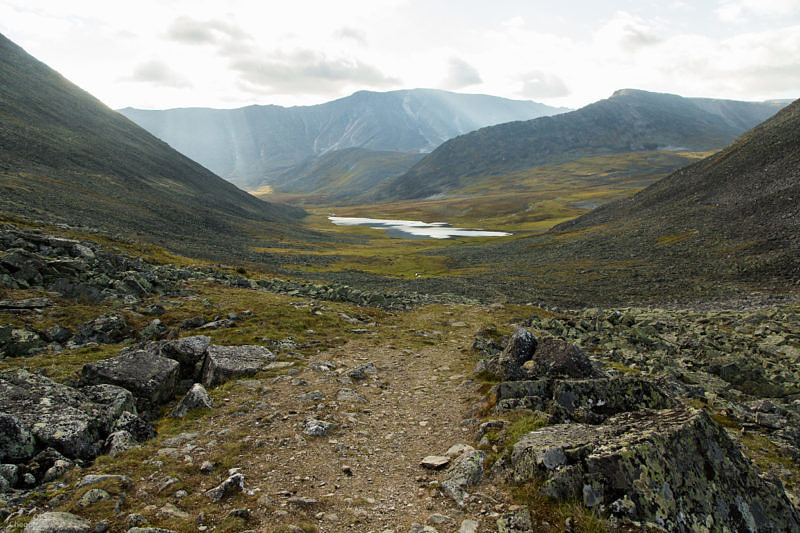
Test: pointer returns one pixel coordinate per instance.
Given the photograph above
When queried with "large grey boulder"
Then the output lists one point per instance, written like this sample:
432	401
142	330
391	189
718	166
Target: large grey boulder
196	398
16	442
56	522
56	415
118	399
224	363
558	358
151	378
189	352
467	471
110	328
674	467
518	351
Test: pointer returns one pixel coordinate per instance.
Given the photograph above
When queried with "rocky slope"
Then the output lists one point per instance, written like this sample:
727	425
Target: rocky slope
66	157
629	120
253	145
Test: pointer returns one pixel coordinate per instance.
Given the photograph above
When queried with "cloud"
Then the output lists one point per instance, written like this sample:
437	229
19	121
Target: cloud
352	34
629	32
305	71
157	73
537	84
187	30
740	10
461	74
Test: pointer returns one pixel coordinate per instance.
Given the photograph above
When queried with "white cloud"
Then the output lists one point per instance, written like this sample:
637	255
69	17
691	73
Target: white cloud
157	73
460	74
537	85
739	10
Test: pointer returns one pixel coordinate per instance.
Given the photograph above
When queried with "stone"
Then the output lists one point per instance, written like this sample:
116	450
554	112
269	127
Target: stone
16	442
56	415
224	363
21	343
196	398
149	530
93	496
434	462
349	396
153	330
518	521
170	510
189	352
118	442
558	358
317	428
58	334
27	303
138	428
468	526
312	396
110	328
216	324
118	399
10	473
467	471
58	522
663	461
517	352
151	378
206	467
361	372
457	449
419	528
93	479
232	485
302	501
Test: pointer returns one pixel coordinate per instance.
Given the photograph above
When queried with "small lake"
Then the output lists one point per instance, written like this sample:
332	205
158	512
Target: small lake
415	229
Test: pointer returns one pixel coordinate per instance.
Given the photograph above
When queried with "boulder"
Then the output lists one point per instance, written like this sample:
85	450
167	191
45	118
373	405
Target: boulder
118	442
467	470
673	467
110	328
188	352
118	399
57	522
137	427
229	487
196	398
56	415
558	358
151	378
518	351
224	363
16	442
20	343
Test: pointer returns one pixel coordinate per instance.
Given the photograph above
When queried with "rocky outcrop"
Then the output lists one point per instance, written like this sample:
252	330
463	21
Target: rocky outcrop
676	468
56	415
223	363
151	378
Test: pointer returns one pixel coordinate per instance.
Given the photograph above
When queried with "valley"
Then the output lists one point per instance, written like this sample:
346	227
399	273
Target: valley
620	352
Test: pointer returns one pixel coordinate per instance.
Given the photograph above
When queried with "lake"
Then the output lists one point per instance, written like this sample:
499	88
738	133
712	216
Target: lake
415	229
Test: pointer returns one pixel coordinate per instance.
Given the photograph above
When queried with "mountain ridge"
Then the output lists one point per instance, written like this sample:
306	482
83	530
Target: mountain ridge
629	120
253	145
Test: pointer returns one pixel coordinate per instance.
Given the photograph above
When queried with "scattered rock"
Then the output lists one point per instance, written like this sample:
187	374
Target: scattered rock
317	428
361	371
224	363
196	398
434	462
57	522
350	396
467	470
110	328
232	485
518	521
93	496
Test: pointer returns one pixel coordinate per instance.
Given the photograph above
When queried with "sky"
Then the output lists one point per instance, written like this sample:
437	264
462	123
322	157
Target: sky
158	54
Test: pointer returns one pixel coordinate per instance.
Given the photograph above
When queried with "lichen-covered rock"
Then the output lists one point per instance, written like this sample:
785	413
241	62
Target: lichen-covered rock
110	328
151	378
16	442
56	415
224	363
467	470
189	352
196	398
518	351
558	358
518	521
118	442
361	372
118	399
57	522
20	343
229	487
138	428
677	468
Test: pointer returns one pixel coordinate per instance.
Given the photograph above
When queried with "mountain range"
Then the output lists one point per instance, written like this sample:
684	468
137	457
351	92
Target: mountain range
66	157
259	145
630	120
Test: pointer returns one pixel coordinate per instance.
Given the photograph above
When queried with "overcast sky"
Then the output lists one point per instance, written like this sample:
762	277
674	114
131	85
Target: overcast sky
177	53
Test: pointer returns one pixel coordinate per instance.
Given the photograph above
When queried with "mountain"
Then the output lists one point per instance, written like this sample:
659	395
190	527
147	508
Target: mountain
345	175
255	145
725	225
630	120
66	157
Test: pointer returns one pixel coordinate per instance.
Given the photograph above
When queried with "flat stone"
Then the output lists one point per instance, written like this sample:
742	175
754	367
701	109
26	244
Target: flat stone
434	462
57	522
224	363
93	479
151	378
